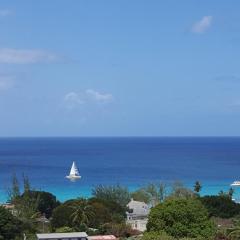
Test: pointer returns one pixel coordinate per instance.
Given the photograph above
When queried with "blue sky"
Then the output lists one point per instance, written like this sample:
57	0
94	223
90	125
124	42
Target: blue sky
120	68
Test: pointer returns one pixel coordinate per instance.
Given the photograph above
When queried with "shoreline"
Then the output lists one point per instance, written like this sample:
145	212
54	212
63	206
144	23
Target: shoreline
64	193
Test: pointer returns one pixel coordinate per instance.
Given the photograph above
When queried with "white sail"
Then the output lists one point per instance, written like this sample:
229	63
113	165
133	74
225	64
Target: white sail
74	173
74	170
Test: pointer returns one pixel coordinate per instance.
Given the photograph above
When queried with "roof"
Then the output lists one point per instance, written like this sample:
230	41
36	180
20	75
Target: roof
106	237
138	208
61	235
137	203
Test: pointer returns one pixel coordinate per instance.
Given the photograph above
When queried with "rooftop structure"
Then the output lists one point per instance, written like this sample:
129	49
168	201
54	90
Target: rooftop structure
106	237
138	209
63	236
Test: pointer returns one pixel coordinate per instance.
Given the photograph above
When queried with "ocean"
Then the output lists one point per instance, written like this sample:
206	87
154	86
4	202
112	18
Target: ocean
128	161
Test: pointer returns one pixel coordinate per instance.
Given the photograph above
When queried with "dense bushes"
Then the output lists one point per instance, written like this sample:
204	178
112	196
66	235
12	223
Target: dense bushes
10	226
97	212
221	206
181	218
116	194
45	201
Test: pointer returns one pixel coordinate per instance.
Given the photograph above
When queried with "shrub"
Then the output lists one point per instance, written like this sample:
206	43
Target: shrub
45	201
221	206
181	218
10	226
116	194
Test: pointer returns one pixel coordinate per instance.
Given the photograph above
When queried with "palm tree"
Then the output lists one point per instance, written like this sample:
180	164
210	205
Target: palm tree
197	187
82	212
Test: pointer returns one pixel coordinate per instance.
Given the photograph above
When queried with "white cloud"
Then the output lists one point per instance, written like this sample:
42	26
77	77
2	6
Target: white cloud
72	99
5	12
100	97
89	96
25	56
6	82
202	25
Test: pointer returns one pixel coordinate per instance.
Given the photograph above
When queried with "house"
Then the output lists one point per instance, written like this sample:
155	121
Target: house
137	216
63	236
137	210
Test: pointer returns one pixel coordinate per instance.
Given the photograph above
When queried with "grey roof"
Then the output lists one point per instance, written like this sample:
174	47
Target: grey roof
61	235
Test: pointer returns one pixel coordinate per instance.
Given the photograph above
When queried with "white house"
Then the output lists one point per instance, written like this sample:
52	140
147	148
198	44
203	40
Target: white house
137	216
137	209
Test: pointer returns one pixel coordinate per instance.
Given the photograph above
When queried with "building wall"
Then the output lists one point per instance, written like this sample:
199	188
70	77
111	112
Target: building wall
140	225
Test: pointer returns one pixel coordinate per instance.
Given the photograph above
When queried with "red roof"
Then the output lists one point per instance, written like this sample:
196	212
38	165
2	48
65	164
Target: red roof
105	237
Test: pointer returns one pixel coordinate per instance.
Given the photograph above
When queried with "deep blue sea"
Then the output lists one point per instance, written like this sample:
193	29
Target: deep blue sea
131	162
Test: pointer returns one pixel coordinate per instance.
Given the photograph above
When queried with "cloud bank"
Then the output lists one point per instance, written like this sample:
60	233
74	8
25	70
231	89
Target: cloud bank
26	56
203	25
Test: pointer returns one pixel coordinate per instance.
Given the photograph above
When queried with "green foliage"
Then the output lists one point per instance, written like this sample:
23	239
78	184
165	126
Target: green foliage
14	191
181	218
221	206
197	187
64	230
231	192
82	213
45	201
26	183
156	236
157	192
116	229
180	191
61	215
116	194
89	213
161	236
106	211
10	226
141	195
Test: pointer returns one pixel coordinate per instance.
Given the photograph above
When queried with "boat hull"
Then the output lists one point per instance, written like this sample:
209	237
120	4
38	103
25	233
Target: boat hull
73	177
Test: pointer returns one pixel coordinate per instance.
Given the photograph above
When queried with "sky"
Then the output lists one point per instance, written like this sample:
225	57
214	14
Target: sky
119	68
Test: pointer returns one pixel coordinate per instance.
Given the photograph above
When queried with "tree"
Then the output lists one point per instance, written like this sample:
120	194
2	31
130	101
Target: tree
156	191
14	191
180	191
26	183
116	194
61	216
221	206
45	201
231	192
117	229
197	187
141	195
106	212
82	213
181	218
156	236
10	226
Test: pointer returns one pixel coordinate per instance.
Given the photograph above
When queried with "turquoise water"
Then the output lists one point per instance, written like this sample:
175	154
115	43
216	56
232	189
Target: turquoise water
131	162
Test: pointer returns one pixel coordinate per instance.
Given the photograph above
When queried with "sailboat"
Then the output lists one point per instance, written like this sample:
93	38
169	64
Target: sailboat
74	173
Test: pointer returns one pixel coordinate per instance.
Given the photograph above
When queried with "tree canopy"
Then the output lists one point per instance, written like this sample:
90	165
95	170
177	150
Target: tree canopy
221	206
181	218
113	193
10	226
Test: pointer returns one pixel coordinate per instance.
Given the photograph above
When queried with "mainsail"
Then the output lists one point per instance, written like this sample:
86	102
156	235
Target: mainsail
74	173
